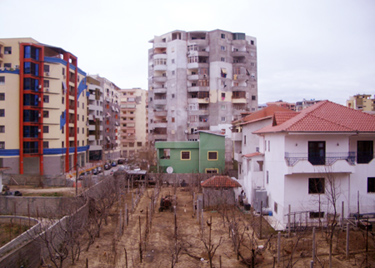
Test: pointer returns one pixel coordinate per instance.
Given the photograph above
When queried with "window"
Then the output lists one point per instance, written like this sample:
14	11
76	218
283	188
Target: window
316	185
185	155
45	144
317	152
267	177
212	155
83	118
222	36
172	61
46	98
46	68
223	96
223	119
63	71
2	144
365	151
173	72
371	185
45	129
252	42
7	50
2	112
253	97
2	80
222	59
223	107
2	96
139	144
316	215
46	83
2	129
275	207
222	48
45	114
62	100
244	139
7	65
212	170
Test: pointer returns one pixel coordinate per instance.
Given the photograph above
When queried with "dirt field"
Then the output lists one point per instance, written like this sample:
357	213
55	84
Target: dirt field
109	250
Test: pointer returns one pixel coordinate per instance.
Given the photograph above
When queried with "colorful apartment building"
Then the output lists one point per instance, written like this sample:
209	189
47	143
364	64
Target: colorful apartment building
43	108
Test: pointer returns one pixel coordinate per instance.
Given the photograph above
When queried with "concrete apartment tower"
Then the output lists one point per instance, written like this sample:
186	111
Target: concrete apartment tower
133	122
201	80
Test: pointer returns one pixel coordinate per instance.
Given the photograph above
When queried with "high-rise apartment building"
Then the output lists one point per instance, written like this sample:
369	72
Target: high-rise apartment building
111	119
43	108
200	80
95	119
134	121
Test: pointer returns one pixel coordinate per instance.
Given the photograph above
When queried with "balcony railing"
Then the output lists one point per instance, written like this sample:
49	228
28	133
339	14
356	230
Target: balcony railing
328	159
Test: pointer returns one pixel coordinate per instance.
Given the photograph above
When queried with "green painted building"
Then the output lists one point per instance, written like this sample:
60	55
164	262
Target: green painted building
204	156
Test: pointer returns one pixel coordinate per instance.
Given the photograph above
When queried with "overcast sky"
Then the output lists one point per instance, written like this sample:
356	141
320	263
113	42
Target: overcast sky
312	49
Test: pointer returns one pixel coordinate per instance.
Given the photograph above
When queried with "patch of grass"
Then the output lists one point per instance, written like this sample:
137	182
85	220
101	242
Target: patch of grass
54	194
10	231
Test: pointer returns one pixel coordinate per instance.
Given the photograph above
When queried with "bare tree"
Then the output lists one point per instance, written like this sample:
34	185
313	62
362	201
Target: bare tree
209	246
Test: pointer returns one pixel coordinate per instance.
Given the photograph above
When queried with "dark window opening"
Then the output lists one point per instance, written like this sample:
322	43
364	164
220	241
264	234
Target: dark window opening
365	151
317	152
316	185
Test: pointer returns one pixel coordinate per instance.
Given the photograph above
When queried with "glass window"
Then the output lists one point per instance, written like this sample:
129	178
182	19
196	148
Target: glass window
2	96
371	185
317	152
2	112
316	185
185	155
2	144
365	151
2	80
212	155
222	36
46	68
45	129
7	50
45	114
46	98
2	129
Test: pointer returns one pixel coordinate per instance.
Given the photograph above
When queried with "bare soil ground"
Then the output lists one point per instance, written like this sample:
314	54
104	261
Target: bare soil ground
109	250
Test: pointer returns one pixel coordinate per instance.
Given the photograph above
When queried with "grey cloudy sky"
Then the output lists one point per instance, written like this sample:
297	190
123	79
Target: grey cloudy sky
312	49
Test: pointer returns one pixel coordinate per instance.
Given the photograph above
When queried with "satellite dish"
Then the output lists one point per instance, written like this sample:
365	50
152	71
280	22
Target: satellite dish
169	170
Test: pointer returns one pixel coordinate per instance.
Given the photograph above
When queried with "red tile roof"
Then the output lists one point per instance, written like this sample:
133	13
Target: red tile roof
252	154
265	113
220	182
325	116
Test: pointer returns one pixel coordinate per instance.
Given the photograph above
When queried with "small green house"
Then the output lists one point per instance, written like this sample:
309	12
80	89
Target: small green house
204	156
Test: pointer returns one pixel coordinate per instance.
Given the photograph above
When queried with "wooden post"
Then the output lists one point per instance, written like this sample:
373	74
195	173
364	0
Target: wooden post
260	219
347	239
289	220
342	214
313	246
357	208
278	247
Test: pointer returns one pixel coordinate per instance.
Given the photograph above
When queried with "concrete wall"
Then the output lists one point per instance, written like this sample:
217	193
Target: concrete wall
38	206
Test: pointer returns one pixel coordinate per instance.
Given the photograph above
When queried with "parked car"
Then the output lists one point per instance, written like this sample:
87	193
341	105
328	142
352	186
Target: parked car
95	171
100	170
107	166
120	161
114	164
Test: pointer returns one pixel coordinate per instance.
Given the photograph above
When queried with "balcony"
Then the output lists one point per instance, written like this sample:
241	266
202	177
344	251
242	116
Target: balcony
160	90
240	77
160	67
160	45
193	77
331	162
160	113
160	101
239	53
160	79
238	157
197	89
239	100
198	100
196	65
240	88
236	136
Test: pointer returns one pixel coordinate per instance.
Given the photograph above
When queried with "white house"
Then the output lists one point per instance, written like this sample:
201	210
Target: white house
300	153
